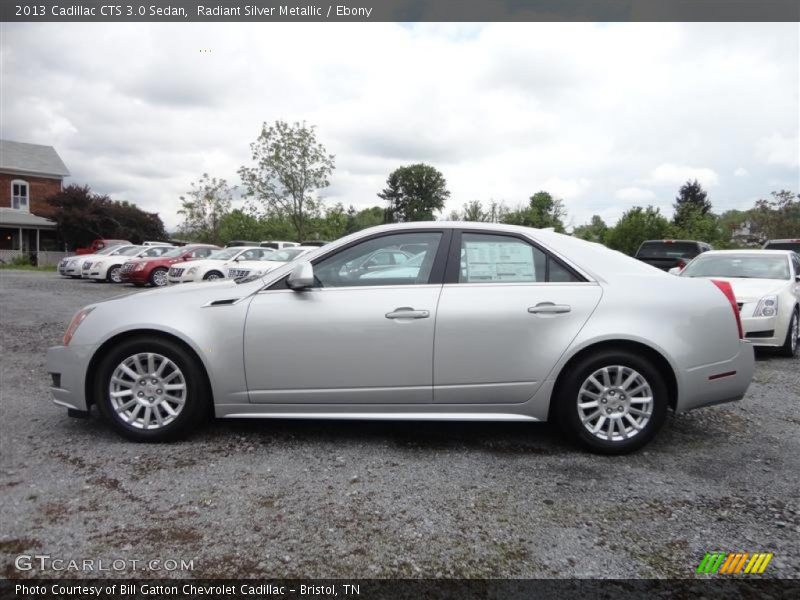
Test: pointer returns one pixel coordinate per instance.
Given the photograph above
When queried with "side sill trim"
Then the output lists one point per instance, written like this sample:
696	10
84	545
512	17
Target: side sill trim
363	416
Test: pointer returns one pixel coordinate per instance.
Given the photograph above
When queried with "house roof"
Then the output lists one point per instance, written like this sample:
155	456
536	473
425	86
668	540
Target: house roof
31	158
10	217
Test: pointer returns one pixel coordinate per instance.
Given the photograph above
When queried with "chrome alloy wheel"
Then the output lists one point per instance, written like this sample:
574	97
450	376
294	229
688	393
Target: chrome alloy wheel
795	327
160	278
615	403
212	277
115	275
147	390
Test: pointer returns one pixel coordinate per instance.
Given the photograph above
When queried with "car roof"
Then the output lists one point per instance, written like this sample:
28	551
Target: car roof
671	241
753	251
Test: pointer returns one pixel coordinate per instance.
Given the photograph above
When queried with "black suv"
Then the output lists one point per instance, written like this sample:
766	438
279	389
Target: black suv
666	254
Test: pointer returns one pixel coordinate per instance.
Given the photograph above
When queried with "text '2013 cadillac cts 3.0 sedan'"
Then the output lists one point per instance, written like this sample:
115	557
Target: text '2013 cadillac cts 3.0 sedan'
489	322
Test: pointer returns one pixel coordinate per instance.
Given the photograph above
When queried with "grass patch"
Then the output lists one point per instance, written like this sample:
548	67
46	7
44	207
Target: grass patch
12	267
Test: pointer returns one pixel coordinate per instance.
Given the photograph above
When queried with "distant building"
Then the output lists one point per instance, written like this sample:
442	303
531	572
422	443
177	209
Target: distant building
747	234
29	174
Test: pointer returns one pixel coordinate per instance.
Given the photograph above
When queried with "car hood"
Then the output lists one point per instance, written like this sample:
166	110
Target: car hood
258	265
200	263
751	290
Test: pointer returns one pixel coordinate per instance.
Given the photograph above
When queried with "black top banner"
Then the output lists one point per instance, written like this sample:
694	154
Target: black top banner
398	10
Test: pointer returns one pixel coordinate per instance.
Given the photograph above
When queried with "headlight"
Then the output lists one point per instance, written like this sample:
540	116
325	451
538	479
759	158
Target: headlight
192	271
139	266
767	307
75	323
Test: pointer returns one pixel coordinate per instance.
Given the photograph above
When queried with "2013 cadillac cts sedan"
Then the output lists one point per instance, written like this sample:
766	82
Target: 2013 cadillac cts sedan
488	322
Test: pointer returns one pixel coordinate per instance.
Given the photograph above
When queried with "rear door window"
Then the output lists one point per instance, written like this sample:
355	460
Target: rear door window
668	250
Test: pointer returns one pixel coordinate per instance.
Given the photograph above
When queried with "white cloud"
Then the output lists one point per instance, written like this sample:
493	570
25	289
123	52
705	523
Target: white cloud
676	175
779	149
634	194
503	110
741	172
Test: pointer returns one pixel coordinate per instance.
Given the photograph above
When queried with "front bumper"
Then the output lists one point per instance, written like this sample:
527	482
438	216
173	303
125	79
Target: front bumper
716	383
765	331
66	366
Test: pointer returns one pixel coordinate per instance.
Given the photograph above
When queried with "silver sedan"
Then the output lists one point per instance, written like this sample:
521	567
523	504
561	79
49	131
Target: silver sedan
487	322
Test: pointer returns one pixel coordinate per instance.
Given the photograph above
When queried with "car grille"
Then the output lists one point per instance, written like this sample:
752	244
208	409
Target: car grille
173	272
127	267
238	273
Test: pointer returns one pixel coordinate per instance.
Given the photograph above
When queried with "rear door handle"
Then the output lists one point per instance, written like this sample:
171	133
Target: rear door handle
406	312
548	308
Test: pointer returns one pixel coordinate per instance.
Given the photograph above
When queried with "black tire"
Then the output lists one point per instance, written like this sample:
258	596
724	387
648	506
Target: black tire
213	275
788	349
154	273
566	408
110	274
196	405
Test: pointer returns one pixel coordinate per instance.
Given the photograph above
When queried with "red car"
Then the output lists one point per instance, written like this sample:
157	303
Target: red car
99	244
142	271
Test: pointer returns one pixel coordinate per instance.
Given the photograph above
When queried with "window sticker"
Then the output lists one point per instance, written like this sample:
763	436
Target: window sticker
499	261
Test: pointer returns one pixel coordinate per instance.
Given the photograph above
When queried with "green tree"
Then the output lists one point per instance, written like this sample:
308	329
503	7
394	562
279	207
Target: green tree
778	217
543	210
290	165
203	208
362	219
414	193
692	200
696	225
637	225
238	225
594	231
82	216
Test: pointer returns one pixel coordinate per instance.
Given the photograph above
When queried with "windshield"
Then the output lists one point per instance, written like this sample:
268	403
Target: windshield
226	254
130	251
668	250
284	255
739	265
153	251
107	250
173	252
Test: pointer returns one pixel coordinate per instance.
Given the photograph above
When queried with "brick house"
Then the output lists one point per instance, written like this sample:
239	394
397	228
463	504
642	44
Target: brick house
29	174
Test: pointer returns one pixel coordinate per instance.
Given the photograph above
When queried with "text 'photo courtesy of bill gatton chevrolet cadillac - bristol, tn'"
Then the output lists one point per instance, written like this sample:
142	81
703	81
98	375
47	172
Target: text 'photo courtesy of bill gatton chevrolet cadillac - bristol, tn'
423	321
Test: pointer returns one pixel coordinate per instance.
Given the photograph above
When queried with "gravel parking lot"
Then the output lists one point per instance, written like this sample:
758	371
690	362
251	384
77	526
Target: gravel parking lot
354	499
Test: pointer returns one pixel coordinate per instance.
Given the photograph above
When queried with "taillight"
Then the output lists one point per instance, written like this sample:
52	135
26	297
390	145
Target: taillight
726	289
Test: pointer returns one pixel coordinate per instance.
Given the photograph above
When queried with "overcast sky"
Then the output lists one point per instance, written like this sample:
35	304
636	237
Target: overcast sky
605	116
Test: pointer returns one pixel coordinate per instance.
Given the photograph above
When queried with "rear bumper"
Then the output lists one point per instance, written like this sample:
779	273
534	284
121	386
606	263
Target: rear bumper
725	381
66	367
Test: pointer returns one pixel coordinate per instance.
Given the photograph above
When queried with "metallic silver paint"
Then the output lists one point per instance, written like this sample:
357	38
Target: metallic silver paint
333	351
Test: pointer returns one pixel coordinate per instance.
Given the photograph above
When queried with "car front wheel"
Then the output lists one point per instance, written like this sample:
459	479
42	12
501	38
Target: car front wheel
213	276
158	277
151	390
789	347
613	402
115	274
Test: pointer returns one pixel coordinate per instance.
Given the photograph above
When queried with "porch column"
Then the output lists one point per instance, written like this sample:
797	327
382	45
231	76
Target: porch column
20	239
37	240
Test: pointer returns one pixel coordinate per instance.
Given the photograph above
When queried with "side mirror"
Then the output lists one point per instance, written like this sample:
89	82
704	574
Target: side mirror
301	277
675	271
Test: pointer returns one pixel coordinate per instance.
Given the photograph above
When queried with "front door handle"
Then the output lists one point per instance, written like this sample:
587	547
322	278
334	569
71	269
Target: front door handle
406	312
548	308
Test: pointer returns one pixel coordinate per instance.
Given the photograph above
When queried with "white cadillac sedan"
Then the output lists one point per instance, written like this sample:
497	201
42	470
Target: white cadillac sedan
243	268
492	323
109	268
766	284
213	266
74	266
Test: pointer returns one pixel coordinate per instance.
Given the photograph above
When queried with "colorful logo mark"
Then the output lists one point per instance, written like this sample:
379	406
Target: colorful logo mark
734	563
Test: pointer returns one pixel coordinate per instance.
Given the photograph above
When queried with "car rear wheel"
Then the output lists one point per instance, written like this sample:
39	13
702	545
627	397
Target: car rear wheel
212	276
115	274
151	390
613	402
790	345
158	277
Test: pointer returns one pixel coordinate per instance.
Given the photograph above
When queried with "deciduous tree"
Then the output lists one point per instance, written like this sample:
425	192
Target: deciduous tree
414	193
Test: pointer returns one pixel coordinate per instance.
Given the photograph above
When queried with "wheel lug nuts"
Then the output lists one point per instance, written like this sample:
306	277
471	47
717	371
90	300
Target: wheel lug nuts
140	394
151	398
608	410
159	391
154	381
604	401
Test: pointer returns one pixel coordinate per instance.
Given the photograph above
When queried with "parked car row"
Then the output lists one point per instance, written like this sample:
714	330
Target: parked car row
159	265
431	321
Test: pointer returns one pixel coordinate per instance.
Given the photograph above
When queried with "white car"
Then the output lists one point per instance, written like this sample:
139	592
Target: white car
213	267
766	284
109	268
241	269
78	266
278	245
